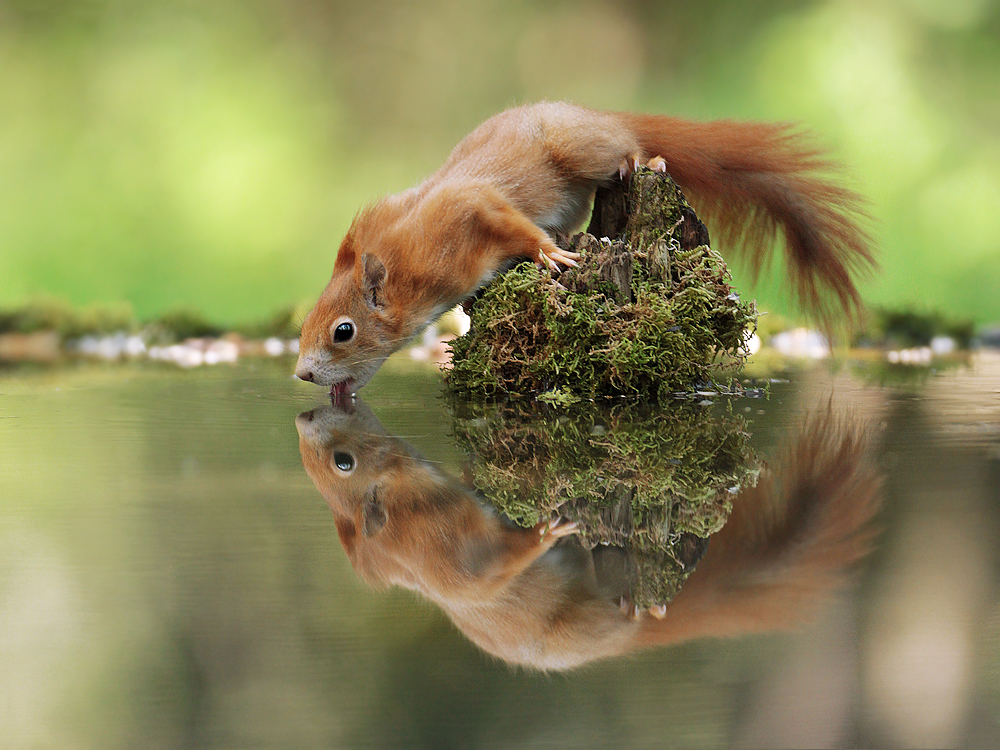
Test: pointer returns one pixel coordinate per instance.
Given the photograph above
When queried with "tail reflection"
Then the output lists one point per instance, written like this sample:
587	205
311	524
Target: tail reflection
538	597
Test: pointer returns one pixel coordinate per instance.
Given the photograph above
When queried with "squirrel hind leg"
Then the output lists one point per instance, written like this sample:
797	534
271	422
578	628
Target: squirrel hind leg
630	165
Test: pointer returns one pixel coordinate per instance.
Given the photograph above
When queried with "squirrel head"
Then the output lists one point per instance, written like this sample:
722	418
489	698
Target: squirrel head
348	334
373	483
347	454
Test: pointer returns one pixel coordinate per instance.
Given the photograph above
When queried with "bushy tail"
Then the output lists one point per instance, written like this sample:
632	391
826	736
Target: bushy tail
747	181
788	544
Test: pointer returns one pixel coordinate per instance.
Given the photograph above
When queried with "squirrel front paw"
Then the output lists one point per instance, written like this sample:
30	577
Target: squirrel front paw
552	531
551	255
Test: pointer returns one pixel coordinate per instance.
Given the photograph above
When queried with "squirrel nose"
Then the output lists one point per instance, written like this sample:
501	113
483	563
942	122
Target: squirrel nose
305	375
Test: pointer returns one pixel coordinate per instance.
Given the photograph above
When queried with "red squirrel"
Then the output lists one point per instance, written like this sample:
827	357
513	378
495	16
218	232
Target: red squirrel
534	596
530	173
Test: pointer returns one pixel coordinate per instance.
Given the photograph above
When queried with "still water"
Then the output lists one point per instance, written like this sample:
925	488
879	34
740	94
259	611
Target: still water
223	558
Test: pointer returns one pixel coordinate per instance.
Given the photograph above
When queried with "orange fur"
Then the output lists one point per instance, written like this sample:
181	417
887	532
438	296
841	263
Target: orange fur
789	542
531	597
529	174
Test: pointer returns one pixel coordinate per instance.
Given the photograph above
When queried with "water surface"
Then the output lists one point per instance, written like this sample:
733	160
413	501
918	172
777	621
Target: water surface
170	576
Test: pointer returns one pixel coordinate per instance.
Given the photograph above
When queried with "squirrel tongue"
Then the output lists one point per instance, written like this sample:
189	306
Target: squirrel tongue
341	396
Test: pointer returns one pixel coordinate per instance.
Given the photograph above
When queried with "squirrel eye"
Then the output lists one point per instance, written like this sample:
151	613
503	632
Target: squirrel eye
343	332
343	461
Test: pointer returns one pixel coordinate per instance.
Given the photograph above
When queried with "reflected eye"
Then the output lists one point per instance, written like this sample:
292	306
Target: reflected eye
343	332
343	461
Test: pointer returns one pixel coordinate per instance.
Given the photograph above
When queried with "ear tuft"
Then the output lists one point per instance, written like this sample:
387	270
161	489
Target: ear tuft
347	532
345	255
373	276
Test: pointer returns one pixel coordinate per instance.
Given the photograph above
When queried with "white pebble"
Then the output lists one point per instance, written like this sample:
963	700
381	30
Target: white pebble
801	342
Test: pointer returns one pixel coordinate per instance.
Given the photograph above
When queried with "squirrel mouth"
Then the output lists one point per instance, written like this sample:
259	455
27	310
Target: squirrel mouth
341	389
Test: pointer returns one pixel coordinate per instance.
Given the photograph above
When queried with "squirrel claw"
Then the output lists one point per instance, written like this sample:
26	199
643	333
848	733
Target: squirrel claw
630	610
554	256
629	165
546	262
659	611
657	164
558	528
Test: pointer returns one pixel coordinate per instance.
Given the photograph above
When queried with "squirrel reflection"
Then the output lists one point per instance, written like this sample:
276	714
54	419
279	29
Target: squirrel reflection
537	597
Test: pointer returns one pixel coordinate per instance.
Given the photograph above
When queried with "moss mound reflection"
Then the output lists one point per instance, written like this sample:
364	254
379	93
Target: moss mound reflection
654	483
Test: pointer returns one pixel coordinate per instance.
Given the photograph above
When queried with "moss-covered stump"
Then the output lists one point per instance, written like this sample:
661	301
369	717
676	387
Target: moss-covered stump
649	311
653	483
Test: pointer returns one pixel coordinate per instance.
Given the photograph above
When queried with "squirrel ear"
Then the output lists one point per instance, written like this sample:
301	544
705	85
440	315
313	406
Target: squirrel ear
373	275
373	514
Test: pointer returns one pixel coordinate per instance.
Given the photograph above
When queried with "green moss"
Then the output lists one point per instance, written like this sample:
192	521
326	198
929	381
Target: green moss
47	314
901	328
180	325
642	316
633	476
284	324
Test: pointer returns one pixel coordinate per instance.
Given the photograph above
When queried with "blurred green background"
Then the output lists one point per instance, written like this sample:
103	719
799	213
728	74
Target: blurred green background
211	154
